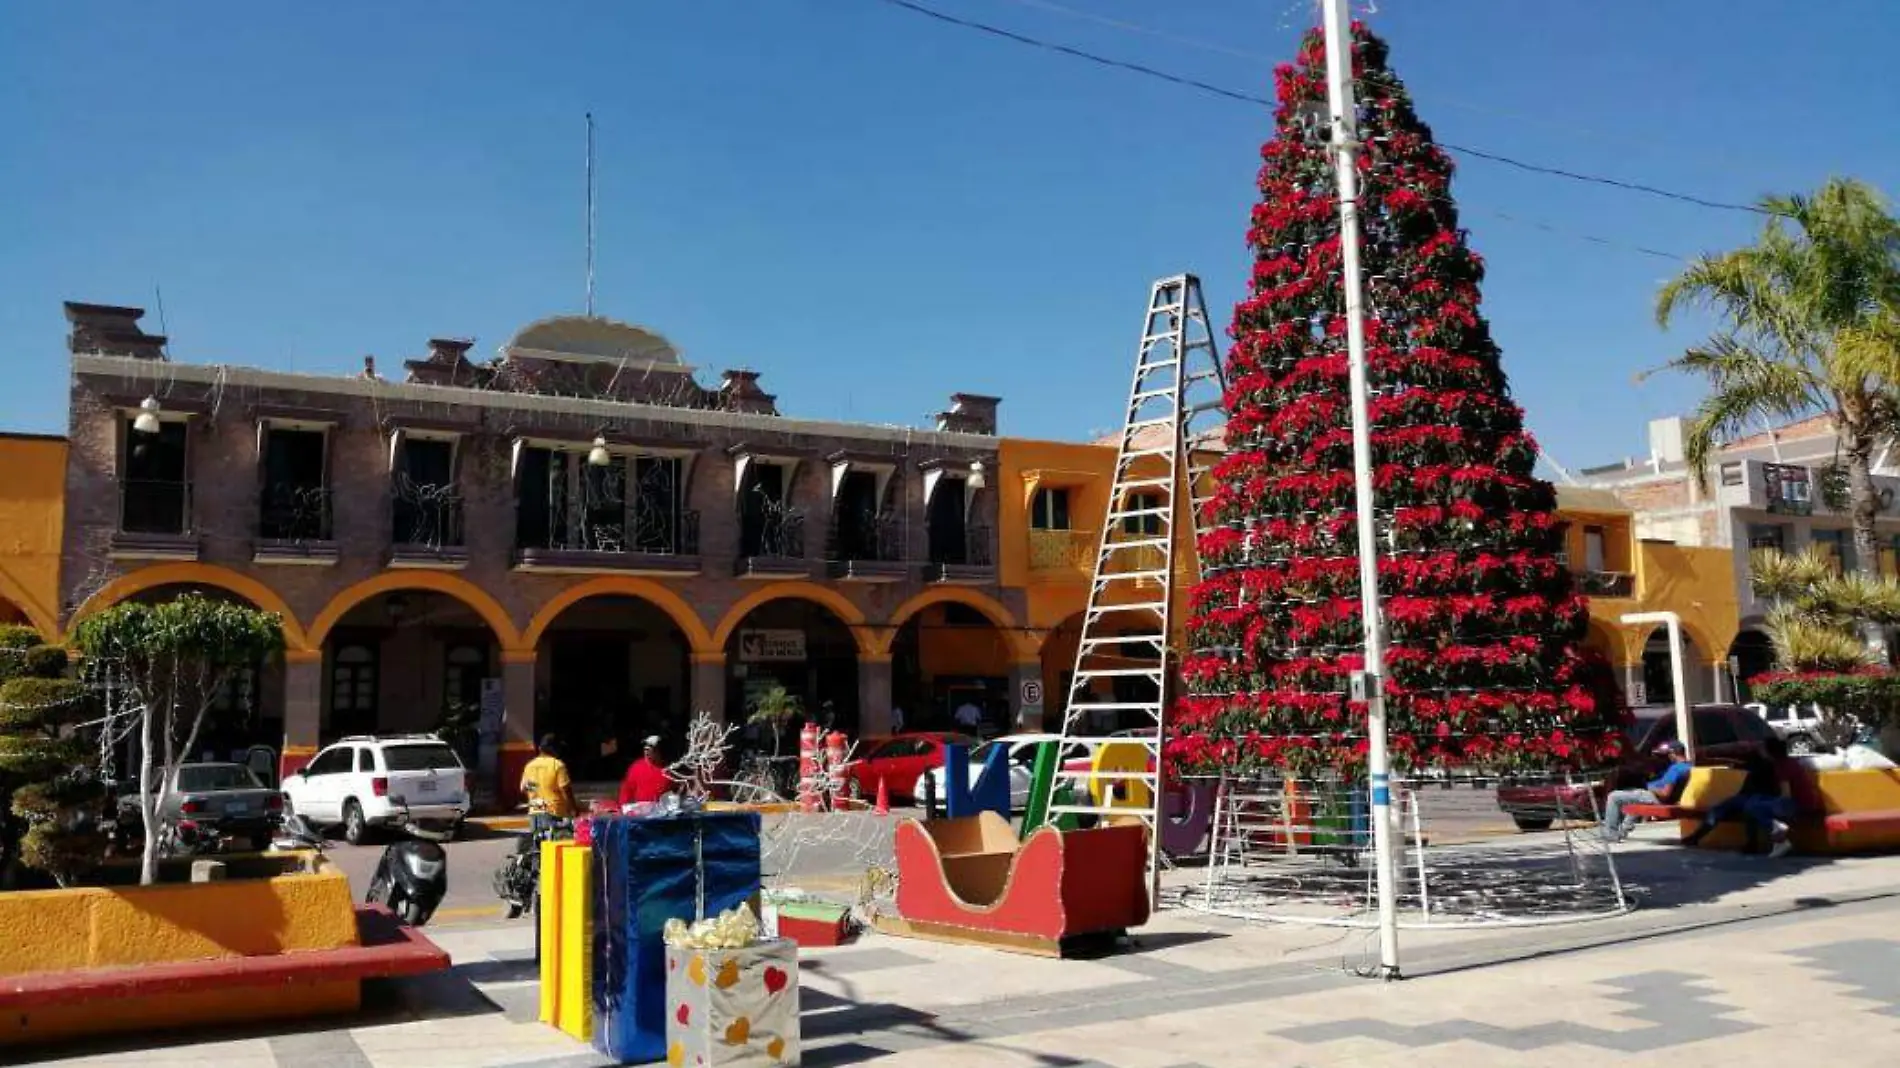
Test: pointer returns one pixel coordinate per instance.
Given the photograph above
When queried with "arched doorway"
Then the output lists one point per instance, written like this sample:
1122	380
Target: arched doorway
1658	682
611	669
800	645
1752	654
1059	664
410	661
247	711
947	660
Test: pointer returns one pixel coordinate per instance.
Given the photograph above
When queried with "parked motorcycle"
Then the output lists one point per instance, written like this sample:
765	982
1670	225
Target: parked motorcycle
297	833
518	880
412	878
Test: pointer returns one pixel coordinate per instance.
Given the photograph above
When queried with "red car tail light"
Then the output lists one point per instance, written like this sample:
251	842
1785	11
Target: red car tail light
379	786
274	803
191	806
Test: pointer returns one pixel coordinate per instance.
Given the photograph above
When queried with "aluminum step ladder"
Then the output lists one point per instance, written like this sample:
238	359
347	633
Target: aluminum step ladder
1175	400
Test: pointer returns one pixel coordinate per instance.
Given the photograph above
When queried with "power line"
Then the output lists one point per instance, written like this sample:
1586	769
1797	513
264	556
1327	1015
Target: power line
1249	98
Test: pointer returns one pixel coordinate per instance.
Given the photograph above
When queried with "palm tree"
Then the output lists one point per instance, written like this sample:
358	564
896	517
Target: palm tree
1809	323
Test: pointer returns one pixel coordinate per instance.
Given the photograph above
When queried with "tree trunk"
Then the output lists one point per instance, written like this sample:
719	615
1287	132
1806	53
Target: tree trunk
148	801
1865	507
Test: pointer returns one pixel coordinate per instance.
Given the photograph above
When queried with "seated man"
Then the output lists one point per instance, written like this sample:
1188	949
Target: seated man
1760	802
1664	790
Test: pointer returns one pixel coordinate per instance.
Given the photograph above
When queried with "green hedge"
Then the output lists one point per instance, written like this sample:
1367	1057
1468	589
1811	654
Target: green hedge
1871	695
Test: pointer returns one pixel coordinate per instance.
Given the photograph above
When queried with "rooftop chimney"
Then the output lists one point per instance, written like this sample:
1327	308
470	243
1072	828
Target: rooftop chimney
108	330
446	365
970	413
739	392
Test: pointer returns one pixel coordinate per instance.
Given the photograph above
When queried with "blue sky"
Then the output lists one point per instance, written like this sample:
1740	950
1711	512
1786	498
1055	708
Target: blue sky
873	209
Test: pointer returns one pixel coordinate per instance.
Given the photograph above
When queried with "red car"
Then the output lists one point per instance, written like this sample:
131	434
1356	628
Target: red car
898	761
1725	734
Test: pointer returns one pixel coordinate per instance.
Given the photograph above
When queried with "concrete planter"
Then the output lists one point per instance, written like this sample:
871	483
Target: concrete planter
153	957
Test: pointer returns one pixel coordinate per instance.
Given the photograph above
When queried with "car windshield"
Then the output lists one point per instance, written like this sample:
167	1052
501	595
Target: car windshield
207	778
430	757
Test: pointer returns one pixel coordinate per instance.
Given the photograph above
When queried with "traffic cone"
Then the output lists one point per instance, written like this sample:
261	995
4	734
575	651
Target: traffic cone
883	807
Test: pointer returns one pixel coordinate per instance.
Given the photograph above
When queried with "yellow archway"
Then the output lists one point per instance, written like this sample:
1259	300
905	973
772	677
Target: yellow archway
1022	647
12	595
839	605
1636	640
194	574
645	589
454	586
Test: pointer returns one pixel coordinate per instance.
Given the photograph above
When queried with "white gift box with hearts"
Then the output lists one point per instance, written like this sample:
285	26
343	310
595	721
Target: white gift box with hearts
732	1008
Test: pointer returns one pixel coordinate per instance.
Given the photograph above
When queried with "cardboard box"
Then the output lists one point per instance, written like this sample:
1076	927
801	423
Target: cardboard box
732	1008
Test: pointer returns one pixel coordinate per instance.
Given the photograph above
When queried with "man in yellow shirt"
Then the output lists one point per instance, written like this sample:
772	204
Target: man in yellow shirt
546	784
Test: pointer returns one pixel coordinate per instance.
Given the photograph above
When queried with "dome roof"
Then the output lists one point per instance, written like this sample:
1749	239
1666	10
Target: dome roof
592	339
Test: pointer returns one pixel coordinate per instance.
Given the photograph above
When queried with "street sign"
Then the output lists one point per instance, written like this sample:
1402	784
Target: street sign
1032	692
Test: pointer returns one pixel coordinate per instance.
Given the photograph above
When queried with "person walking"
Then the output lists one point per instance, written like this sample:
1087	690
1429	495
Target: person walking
1662	790
647	780
546	784
1759	803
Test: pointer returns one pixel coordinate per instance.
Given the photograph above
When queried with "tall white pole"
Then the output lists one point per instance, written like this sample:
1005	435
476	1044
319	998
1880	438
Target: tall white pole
1345	148
590	215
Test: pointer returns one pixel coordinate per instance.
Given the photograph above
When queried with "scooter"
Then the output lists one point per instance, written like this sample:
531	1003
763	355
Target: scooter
412	878
518	880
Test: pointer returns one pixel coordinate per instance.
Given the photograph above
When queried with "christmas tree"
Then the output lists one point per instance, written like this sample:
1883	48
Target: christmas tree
1482	620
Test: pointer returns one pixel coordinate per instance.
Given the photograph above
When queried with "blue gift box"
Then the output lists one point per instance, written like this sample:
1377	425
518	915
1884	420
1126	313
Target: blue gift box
646	872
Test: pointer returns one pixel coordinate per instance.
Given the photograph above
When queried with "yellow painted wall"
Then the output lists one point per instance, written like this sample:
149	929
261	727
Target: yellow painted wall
32	515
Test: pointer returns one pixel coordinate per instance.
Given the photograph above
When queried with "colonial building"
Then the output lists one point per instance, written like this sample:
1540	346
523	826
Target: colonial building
1783	488
574	536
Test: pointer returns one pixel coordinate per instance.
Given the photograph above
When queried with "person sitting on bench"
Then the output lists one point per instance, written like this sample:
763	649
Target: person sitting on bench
1759	803
1662	791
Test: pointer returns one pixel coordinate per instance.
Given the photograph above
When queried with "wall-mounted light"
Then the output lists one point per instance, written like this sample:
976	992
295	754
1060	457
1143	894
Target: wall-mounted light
147	421
598	456
977	481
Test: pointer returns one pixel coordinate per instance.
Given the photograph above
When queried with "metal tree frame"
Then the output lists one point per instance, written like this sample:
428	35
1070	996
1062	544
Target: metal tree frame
1174	399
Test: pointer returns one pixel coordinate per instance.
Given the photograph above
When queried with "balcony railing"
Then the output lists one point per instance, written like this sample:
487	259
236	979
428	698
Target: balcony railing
427	530
867	547
655	542
294	514
970	560
1063	550
154	507
1606	583
772	544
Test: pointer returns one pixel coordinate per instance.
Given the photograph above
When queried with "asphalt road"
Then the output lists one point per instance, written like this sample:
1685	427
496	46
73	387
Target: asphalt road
473	859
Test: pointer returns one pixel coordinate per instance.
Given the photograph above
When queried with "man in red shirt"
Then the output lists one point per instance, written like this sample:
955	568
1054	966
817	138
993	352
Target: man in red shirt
646	780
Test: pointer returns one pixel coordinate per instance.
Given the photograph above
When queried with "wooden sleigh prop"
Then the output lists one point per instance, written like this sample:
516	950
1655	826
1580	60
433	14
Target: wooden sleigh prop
968	880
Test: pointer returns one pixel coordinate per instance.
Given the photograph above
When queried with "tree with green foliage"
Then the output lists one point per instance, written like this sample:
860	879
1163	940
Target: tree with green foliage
1809	324
50	794
171	660
1815	625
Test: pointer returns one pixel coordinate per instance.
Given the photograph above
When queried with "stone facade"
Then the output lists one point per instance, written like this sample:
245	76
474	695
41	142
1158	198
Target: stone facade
643	403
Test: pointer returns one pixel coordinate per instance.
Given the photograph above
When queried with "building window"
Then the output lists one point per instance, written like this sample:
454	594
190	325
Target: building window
1593	549
1838	547
660	521
768	525
428	510
1148	526
604	505
541	508
155	495
1049	510
1767	536
295	505
353	689
1789	489
466	667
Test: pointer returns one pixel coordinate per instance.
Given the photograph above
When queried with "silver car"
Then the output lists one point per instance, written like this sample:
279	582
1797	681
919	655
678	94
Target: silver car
218	801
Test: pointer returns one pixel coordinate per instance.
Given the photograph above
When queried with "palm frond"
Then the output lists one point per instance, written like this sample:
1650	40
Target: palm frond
1790	578
1802	644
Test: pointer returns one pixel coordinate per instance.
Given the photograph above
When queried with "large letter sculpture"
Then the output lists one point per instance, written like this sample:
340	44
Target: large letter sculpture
991	792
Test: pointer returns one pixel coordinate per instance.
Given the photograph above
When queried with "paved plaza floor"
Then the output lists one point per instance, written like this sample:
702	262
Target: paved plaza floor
1731	960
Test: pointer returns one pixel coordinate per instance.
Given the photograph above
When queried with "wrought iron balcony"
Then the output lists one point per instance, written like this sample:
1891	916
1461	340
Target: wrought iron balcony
970	561
654	542
868	547
294	525
155	521
427	530
772	544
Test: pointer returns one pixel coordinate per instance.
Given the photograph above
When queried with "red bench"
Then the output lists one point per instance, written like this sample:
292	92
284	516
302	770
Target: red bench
1877	820
388	949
